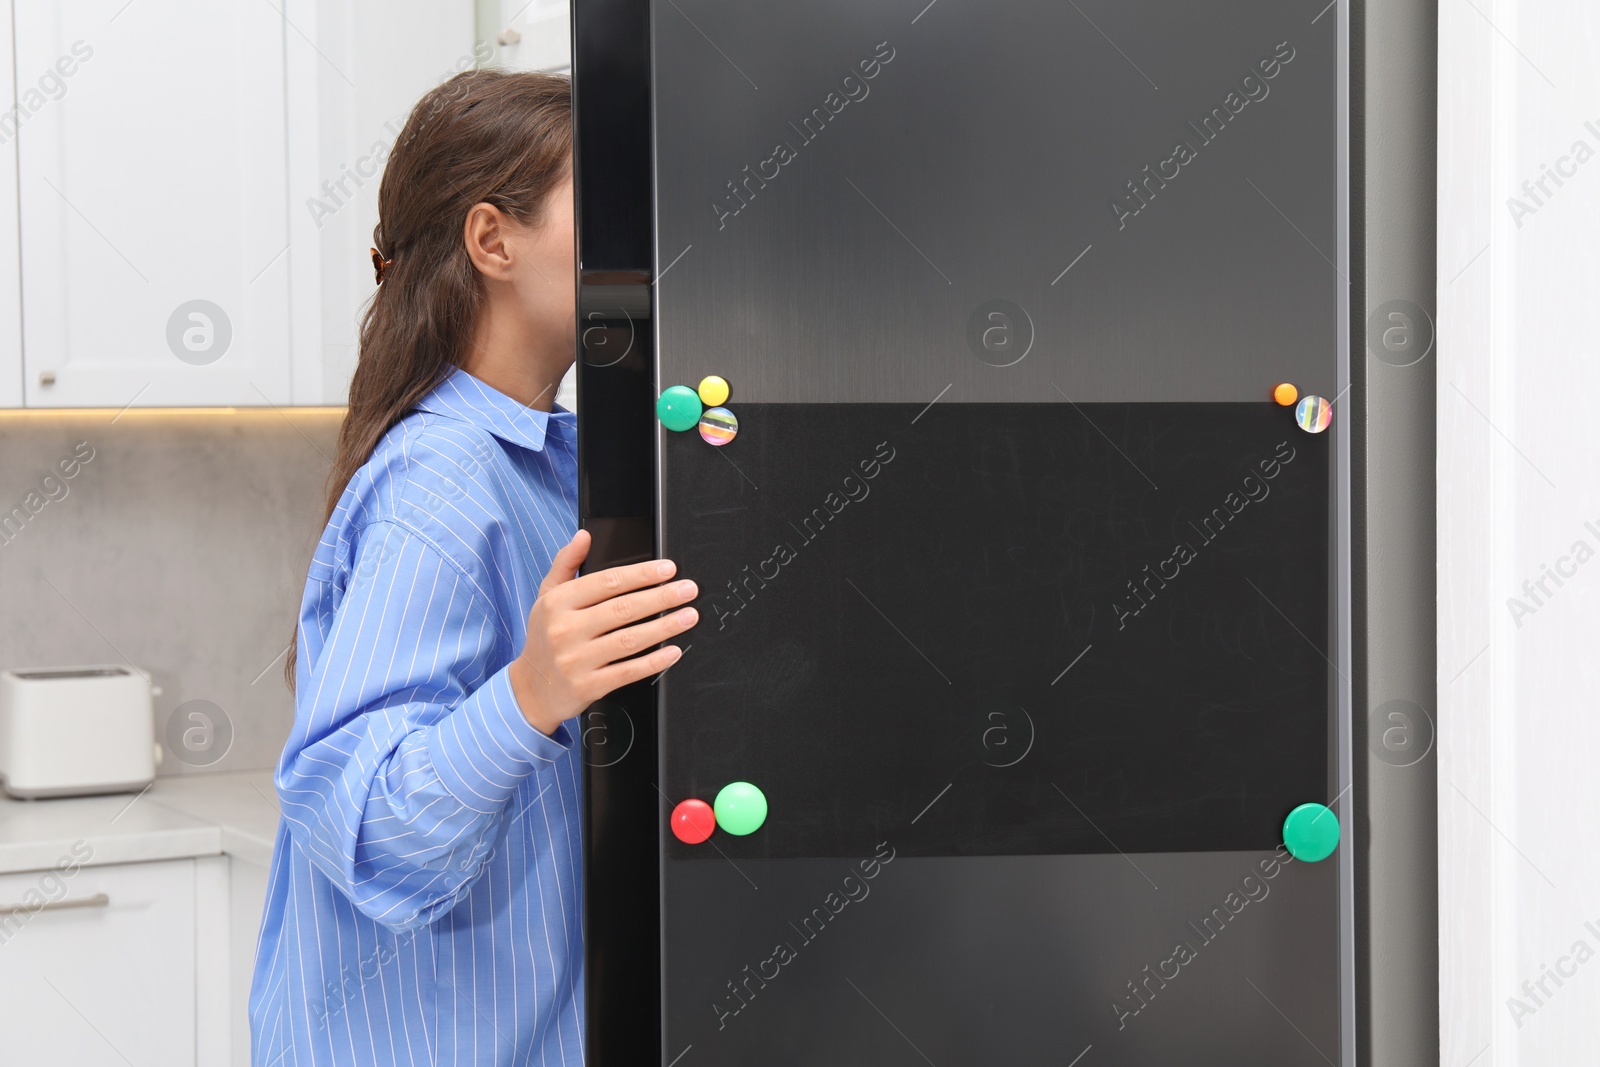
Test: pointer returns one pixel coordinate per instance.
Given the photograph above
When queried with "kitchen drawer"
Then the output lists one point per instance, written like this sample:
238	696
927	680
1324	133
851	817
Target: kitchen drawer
105	975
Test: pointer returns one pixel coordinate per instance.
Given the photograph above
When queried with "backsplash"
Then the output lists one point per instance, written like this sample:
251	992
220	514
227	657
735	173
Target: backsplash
176	542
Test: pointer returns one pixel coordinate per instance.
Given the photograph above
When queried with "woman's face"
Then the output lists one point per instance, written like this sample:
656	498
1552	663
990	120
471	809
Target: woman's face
544	276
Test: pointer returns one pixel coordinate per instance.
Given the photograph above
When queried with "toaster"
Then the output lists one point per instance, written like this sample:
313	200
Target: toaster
75	731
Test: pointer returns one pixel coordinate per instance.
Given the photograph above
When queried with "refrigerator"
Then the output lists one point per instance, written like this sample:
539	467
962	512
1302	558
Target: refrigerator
986	366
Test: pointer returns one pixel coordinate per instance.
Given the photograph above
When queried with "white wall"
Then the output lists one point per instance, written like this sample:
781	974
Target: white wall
1519	491
181	547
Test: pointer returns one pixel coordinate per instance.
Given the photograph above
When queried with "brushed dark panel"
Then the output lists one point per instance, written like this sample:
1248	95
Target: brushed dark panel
1015	960
977	164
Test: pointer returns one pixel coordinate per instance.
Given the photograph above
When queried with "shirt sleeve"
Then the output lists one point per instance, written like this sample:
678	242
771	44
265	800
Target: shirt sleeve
408	743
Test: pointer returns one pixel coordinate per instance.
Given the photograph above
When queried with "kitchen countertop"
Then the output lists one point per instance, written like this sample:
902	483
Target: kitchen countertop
176	818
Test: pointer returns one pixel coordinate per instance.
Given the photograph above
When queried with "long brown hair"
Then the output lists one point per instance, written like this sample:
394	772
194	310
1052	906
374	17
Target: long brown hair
483	136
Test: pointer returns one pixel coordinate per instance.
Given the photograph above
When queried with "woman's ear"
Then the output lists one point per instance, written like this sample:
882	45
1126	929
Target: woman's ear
487	236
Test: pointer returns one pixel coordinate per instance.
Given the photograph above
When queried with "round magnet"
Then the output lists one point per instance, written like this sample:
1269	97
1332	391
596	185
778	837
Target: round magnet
693	821
718	426
679	408
713	390
1313	413
741	808
1311	832
1285	394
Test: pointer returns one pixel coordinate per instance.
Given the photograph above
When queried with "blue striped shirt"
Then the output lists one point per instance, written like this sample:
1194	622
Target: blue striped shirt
424	901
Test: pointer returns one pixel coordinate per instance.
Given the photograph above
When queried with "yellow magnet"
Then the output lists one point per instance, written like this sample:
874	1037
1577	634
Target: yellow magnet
1285	394
713	391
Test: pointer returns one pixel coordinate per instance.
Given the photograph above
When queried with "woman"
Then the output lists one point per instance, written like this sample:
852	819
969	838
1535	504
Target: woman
424	902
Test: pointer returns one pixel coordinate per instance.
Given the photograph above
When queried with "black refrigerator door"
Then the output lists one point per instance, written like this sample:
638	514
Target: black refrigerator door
1024	587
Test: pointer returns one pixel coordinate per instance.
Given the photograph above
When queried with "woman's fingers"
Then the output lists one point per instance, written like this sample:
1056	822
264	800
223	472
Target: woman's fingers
564	567
585	634
591	589
610	679
631	607
633	640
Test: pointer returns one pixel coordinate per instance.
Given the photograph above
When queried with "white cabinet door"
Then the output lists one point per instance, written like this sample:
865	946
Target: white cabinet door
247	900
531	34
105	975
353	78
10	246
152	172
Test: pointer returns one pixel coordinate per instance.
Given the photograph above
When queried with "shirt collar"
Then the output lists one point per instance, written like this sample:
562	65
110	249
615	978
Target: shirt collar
461	396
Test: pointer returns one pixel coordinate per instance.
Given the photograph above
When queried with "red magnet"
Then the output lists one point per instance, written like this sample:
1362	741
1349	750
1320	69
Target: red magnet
693	821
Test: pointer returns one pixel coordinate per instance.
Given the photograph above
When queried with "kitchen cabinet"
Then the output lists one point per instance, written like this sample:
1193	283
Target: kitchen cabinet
151	163
245	899
529	34
10	236
103	974
188	191
151	935
349	96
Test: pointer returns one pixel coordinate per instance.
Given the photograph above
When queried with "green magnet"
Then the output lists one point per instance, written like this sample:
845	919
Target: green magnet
741	808
1311	832
679	408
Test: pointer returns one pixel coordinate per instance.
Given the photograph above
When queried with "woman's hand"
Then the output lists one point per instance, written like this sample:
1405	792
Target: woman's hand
585	634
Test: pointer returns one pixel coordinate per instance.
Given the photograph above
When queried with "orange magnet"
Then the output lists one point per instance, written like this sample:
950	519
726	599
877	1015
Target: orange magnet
1285	394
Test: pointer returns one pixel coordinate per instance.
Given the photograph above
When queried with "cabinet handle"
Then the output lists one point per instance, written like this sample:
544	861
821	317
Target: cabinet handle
99	900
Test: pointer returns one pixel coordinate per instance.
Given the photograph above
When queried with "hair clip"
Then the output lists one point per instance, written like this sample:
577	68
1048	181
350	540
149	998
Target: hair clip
379	265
